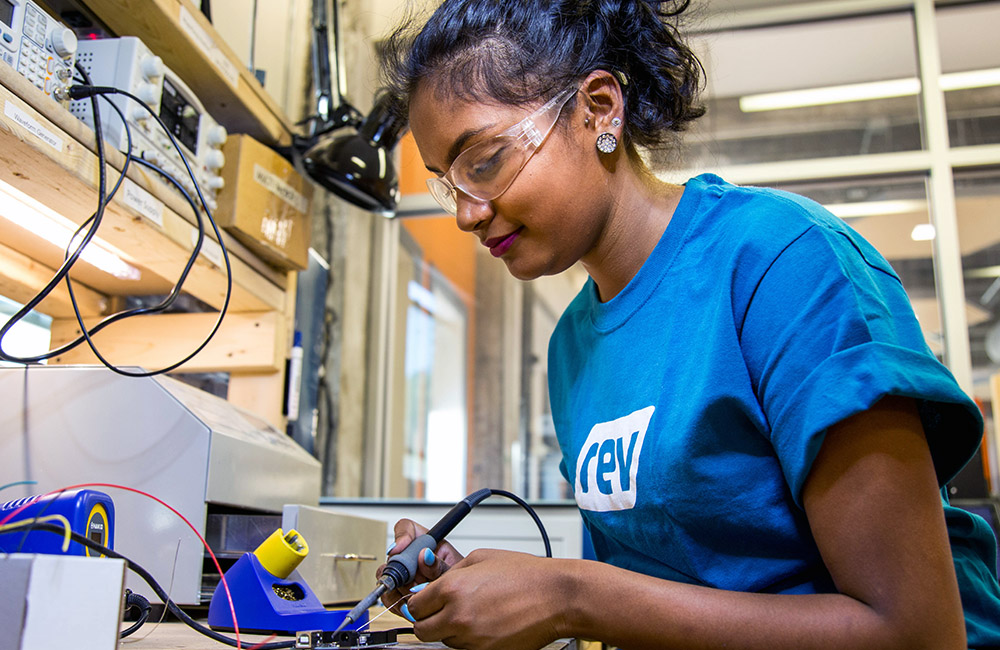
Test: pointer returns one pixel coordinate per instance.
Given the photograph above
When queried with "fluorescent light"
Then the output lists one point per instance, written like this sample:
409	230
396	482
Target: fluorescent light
864	91
829	95
923	232
875	208
970	79
40	220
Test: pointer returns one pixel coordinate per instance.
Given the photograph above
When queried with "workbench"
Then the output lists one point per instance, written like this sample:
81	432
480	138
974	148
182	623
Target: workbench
177	636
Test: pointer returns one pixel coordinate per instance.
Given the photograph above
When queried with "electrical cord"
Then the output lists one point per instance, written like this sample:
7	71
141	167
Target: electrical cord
136	601
157	589
171	296
531	511
63	271
79	92
93	92
225	585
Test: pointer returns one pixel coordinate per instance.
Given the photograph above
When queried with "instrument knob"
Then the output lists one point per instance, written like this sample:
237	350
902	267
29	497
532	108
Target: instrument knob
63	41
152	67
217	136
214	159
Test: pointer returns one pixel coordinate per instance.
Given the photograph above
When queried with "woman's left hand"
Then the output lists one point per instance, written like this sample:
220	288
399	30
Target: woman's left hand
492	599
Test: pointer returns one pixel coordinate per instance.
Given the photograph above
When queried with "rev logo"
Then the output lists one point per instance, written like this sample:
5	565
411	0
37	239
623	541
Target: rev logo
609	461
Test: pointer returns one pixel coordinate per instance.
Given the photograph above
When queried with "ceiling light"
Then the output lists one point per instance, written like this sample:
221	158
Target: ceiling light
829	95
970	79
41	221
864	91
923	232
876	208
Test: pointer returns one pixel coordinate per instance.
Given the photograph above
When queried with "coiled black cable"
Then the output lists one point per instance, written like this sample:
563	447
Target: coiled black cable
136	601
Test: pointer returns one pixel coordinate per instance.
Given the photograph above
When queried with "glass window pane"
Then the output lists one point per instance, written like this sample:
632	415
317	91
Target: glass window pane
970	65
469	382
830	88
545	299
892	214
428	421
978	206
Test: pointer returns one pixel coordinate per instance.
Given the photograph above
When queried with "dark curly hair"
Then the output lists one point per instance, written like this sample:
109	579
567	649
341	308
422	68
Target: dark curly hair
520	51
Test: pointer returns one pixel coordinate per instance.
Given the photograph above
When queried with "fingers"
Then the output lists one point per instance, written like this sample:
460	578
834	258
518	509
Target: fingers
404	608
430	565
404	532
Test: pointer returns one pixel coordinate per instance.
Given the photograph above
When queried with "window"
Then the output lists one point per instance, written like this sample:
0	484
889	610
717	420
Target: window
970	63
854	139
825	89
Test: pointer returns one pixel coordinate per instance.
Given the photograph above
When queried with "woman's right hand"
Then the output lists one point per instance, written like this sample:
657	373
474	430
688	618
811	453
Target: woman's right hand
430	565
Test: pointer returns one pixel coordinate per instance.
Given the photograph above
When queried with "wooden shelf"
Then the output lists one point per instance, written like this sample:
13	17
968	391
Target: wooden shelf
48	155
65	179
180	34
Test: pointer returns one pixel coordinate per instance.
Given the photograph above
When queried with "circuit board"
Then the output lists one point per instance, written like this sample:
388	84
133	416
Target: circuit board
353	640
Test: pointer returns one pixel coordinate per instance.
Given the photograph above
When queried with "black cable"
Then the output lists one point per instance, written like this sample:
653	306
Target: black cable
174	292
78	92
67	264
84	91
172	295
157	589
524	504
136	601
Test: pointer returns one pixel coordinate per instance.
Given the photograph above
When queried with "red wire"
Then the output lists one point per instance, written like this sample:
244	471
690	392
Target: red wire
222	575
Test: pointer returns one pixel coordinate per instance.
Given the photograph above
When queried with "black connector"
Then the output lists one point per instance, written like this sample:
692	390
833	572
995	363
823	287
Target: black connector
348	639
82	92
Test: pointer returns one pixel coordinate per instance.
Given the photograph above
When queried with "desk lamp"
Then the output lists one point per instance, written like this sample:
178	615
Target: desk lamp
347	153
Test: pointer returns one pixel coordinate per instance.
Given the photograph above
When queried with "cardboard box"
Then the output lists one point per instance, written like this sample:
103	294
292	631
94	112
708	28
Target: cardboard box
265	203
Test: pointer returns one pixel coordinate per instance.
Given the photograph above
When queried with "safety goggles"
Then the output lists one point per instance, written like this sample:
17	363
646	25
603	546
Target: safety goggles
485	170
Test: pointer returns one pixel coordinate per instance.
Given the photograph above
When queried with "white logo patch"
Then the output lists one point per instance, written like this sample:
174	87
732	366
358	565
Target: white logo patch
608	462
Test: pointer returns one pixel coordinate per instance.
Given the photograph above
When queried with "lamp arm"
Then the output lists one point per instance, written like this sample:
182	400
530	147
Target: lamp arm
321	66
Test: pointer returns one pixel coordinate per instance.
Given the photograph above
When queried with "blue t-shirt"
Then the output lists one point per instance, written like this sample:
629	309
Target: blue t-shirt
690	407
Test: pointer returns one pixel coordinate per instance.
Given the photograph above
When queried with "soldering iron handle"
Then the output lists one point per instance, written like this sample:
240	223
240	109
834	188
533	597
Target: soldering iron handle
457	514
402	567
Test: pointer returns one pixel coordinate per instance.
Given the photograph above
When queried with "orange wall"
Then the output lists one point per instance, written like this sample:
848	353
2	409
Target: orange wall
412	172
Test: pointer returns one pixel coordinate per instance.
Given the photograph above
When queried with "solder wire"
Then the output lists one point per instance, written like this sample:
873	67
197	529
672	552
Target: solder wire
170	590
372	619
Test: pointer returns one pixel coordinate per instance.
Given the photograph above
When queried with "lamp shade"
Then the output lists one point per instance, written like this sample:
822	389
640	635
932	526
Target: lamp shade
357	166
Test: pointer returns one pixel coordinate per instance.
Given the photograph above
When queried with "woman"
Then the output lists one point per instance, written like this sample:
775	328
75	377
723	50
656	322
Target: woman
756	433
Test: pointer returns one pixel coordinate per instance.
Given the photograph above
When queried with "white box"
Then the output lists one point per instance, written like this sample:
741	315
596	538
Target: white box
60	601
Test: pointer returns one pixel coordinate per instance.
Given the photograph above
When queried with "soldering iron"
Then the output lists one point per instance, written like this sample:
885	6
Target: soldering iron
402	567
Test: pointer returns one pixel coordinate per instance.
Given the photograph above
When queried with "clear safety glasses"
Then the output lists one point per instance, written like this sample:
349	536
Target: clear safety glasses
485	170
